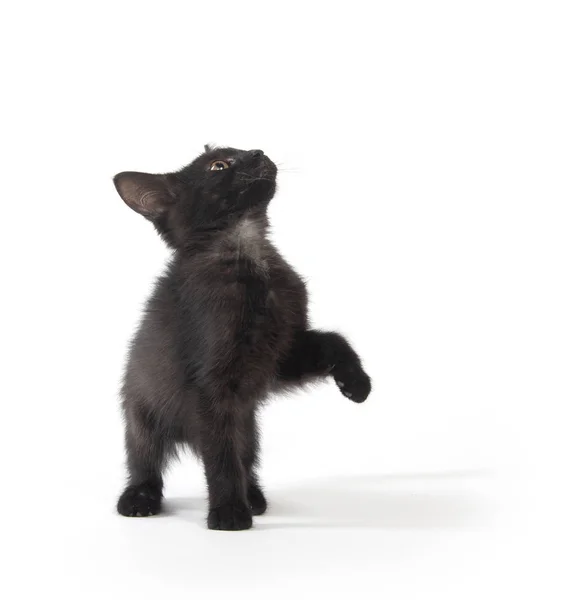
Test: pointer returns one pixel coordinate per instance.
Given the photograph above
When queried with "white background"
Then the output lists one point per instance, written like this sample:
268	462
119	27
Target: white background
433	192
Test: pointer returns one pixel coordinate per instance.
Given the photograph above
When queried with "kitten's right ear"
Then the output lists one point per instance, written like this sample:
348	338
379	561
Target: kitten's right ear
149	195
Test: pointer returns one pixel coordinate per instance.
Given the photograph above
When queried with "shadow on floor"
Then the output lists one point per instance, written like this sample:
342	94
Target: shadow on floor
428	501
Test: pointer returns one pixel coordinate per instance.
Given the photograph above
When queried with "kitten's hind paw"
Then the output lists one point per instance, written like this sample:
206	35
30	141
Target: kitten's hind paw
257	500
353	381
230	517
143	500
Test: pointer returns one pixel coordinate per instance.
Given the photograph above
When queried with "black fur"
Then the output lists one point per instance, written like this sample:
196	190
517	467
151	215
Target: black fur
226	325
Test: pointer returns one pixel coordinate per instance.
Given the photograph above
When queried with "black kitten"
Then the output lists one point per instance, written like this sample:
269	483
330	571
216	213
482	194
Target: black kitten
226	325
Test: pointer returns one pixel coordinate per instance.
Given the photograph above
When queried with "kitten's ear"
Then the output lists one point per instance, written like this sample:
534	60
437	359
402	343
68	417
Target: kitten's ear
149	195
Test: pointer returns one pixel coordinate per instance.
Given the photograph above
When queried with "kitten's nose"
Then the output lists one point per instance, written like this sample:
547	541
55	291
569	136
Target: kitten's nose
256	153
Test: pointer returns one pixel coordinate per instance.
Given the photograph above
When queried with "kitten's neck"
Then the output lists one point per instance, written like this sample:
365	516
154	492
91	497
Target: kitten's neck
243	236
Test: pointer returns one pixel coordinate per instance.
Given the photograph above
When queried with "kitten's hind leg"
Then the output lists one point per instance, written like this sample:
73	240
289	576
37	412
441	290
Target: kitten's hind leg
147	453
255	495
318	353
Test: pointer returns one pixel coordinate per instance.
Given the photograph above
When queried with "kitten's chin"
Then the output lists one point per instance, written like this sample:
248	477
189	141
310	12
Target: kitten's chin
260	191
267	191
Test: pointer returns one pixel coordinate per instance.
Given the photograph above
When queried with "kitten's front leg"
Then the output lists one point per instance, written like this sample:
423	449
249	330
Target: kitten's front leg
220	448
319	353
147	452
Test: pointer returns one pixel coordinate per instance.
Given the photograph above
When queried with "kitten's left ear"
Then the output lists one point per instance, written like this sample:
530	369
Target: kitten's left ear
149	195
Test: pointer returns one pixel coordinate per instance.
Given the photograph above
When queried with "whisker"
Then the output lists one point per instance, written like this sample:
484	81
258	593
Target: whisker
287	169
251	177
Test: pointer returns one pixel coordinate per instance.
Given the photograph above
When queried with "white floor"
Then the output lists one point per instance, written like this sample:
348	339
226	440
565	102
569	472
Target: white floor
377	529
369	534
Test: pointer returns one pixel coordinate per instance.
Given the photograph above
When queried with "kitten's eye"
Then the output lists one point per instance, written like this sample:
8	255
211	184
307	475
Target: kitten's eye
218	165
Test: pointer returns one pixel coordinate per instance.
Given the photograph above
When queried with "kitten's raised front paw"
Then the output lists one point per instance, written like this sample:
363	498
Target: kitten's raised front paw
257	500
230	517
353	381
143	500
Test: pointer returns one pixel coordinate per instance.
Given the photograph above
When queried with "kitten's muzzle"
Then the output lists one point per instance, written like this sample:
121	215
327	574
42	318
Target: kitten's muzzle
264	167
258	165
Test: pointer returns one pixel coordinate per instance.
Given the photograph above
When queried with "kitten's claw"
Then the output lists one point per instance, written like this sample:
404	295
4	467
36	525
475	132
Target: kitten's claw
141	500
341	386
353	381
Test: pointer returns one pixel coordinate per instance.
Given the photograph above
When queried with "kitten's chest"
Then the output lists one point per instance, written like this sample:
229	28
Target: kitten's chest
250	278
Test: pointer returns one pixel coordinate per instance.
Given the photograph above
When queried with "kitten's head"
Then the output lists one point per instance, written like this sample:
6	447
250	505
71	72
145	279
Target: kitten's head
210	194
